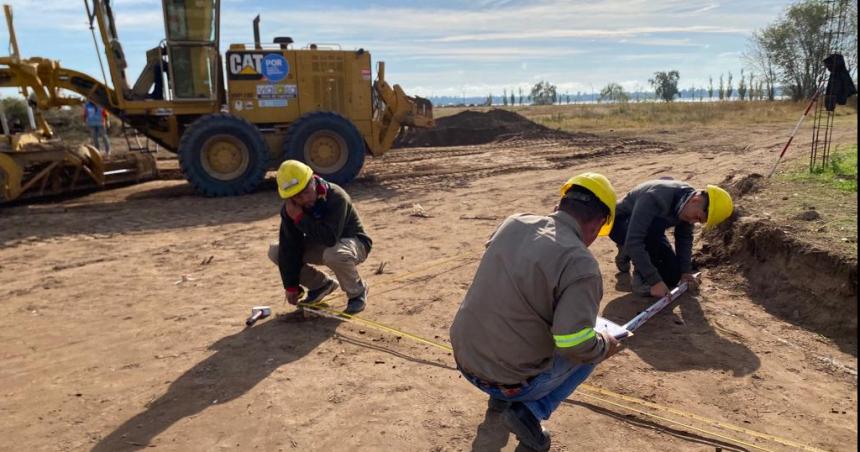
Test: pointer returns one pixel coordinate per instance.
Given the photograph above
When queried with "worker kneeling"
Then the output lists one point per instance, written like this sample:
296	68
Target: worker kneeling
642	218
319	226
524	333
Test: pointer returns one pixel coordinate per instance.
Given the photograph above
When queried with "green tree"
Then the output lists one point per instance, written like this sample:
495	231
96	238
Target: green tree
544	93
520	89
613	92
729	87
15	109
513	99
665	85
505	97
751	85
489	101
710	87
722	91
790	50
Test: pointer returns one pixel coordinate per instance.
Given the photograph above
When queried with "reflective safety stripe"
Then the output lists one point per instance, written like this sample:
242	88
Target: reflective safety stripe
572	340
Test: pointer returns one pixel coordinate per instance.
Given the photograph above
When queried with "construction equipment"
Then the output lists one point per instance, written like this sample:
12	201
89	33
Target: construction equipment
316	104
33	161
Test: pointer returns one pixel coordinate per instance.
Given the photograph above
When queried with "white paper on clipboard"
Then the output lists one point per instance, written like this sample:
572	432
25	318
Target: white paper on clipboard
611	327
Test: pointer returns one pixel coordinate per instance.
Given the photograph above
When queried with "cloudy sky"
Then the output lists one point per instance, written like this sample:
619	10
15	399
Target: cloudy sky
451	47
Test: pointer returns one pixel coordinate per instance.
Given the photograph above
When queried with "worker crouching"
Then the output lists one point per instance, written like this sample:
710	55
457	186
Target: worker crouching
319	226
524	333
639	231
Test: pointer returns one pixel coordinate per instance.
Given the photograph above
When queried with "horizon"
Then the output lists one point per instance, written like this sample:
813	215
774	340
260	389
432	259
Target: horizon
453	48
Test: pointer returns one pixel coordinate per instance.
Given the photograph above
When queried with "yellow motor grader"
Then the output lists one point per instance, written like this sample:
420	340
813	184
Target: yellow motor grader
33	161
317	104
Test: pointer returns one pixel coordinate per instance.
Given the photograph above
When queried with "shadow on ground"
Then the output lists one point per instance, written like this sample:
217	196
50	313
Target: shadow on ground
240	362
680	337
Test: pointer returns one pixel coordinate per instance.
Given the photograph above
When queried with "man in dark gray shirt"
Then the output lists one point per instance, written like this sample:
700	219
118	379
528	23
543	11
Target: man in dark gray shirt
642	218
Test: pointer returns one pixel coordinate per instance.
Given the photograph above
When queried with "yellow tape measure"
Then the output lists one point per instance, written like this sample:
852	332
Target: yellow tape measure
589	391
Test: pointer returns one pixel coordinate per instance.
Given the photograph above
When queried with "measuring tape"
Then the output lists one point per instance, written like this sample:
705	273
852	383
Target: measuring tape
590	391
585	390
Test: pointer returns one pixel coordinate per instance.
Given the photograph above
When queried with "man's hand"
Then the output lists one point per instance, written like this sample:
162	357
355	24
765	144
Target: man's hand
613	345
293	297
659	290
294	210
691	281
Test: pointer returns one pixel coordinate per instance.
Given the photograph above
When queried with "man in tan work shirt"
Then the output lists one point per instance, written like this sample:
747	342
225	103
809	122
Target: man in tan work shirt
524	333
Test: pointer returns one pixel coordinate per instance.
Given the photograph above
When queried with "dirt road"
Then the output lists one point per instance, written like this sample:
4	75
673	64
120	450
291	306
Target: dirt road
121	318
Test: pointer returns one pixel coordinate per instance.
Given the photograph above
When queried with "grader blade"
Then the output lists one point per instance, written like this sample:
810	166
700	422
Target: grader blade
48	169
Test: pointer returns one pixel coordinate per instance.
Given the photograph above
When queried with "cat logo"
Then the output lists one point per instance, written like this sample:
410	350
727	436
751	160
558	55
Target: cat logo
245	65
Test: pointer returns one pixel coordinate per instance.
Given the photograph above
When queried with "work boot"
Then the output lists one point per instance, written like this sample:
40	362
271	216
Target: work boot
356	304
640	287
313	296
526	427
497	405
622	261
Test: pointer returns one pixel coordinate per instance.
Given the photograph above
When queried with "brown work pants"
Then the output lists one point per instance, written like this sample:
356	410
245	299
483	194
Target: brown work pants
342	259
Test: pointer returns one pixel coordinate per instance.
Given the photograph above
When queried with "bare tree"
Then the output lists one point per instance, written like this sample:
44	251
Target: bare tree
742	86
710	87
505	97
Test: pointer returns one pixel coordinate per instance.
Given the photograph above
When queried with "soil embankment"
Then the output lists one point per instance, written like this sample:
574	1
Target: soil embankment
811	287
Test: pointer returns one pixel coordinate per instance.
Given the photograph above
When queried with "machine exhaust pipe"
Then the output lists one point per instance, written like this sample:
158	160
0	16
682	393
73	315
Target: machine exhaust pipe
257	33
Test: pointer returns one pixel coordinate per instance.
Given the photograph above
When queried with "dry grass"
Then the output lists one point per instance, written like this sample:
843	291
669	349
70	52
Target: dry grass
637	116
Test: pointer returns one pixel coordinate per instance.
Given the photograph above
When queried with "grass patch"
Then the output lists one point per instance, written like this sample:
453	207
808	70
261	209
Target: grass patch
657	115
840	172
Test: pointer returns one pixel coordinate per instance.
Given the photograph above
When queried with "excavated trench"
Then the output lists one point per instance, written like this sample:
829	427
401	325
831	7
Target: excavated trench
804	285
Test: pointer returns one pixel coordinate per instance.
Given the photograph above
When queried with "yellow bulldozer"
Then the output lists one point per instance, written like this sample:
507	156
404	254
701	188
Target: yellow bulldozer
33	160
231	119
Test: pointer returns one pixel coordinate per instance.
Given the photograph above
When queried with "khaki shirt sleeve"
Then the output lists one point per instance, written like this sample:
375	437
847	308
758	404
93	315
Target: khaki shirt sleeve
574	319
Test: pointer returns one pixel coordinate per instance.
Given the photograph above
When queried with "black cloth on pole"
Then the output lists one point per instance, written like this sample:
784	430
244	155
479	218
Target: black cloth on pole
839	86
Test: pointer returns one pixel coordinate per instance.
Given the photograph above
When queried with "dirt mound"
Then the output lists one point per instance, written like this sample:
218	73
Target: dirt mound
794	280
474	127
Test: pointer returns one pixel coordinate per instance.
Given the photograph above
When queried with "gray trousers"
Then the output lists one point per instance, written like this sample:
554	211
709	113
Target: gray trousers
342	259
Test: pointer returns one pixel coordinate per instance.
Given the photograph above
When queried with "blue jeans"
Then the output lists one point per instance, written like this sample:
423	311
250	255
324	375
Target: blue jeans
99	133
545	392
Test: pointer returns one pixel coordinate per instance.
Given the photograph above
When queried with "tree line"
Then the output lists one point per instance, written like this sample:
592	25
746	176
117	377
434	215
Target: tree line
785	56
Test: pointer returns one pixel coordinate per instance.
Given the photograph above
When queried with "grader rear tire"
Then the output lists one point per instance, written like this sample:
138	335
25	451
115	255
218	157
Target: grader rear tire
328	143
223	155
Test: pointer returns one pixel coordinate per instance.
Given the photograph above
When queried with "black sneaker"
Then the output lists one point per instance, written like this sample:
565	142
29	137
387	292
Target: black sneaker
526	427
497	405
356	304
316	295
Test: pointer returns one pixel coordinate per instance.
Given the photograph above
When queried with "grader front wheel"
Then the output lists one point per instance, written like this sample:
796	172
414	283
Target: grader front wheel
329	143
223	155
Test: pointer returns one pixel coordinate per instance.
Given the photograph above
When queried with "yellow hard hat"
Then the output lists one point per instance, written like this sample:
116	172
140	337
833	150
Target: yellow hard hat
598	185
293	177
720	205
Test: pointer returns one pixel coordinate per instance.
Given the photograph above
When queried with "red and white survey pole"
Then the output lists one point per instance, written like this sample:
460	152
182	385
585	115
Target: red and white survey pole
799	122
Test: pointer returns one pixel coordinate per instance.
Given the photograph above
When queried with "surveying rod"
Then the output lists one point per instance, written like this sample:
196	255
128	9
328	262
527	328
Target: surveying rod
652	310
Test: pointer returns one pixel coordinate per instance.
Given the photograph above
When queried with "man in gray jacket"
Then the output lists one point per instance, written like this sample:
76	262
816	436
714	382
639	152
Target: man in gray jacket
524	333
642	218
